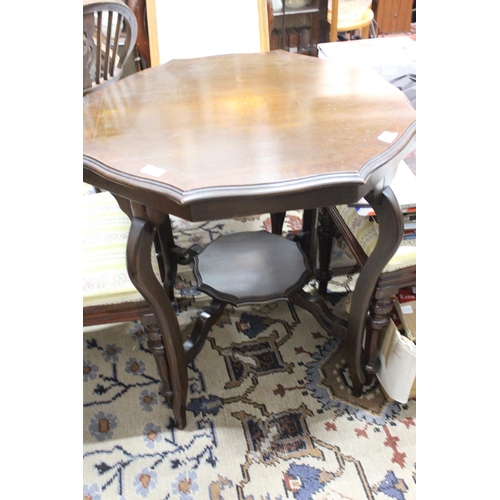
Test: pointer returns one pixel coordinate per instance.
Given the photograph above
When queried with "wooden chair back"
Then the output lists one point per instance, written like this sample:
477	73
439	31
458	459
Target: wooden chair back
109	37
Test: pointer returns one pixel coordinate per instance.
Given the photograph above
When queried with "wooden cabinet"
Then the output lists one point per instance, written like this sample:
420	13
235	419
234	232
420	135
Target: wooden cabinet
299	26
392	16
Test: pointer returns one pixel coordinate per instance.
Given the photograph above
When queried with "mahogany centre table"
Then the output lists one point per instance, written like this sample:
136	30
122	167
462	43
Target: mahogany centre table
237	135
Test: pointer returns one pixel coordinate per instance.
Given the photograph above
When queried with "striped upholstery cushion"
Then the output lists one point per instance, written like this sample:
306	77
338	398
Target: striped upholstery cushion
365	231
105	233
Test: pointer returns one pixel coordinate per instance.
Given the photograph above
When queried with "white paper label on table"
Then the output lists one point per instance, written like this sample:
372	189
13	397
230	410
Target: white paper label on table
152	170
387	136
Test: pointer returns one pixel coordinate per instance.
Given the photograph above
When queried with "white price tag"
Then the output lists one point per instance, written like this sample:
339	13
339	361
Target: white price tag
152	170
406	309
387	136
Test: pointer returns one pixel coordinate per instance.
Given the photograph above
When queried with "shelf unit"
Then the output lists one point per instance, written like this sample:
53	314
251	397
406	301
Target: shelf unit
300	29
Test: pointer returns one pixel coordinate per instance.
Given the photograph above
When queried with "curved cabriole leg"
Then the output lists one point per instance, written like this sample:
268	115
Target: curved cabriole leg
140	242
165	249
390	221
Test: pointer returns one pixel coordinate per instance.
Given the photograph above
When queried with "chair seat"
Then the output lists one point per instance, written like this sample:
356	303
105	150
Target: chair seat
365	231
352	24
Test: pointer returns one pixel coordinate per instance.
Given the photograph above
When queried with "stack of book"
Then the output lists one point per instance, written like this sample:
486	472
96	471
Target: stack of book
410	223
404	312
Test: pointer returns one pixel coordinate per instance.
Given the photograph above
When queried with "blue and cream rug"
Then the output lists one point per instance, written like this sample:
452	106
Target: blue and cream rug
269	414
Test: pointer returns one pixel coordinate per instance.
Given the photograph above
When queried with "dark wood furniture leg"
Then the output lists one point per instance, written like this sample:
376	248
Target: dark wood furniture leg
361	360
145	223
277	221
326	233
376	325
370	305
380	306
379	314
306	237
152	229
157	348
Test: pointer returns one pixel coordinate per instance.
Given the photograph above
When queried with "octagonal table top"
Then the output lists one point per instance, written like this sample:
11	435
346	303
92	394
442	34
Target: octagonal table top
245	130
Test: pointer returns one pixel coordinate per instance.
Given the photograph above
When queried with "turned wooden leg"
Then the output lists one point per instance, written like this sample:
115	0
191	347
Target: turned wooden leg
155	344
376	325
309	236
277	221
167	261
326	233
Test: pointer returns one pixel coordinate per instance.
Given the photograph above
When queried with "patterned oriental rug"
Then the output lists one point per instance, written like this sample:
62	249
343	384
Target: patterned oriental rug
269	415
